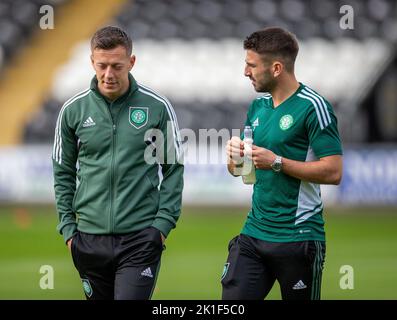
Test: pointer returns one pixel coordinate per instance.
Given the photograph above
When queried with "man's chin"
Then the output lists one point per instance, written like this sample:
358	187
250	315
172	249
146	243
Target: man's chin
107	92
112	88
263	89
257	87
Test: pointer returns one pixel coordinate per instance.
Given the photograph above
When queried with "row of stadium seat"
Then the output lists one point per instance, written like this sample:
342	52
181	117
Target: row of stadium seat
18	20
233	18
200	41
208	81
216	68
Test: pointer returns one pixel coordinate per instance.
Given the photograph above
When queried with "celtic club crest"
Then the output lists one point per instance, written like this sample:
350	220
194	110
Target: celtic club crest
138	116
286	122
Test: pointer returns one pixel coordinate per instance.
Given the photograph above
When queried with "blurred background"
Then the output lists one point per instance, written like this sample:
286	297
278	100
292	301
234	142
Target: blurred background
191	51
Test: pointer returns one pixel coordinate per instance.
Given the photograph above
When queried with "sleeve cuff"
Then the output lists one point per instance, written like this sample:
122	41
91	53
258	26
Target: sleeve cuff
163	225
68	231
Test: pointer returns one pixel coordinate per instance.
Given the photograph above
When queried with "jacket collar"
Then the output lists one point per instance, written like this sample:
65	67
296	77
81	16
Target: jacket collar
132	88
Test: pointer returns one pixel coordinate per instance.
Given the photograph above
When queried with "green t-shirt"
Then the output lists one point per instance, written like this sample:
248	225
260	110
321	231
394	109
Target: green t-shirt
302	128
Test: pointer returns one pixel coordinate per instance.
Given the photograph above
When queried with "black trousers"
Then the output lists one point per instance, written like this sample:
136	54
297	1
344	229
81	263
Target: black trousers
120	267
254	265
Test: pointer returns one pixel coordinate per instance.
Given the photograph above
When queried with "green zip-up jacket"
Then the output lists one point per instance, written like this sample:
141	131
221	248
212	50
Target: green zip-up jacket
103	145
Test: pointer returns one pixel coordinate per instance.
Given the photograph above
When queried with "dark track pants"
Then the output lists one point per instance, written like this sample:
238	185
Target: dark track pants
254	265
120	267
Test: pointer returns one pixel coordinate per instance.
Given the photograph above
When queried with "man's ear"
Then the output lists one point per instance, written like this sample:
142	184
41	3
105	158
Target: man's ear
132	61
278	68
92	59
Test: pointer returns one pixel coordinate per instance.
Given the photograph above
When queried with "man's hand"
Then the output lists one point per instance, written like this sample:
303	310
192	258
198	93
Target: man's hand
235	151
162	237
235	156
262	158
69	243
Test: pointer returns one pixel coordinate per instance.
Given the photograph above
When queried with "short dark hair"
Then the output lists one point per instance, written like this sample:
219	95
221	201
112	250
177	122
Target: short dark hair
111	37
275	42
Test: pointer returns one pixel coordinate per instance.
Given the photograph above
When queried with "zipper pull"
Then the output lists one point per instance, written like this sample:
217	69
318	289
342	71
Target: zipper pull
114	129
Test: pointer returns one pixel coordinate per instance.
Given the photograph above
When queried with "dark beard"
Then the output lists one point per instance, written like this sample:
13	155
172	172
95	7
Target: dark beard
268	84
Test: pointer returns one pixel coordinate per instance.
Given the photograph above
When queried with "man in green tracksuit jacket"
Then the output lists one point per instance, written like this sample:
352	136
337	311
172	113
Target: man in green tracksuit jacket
112	137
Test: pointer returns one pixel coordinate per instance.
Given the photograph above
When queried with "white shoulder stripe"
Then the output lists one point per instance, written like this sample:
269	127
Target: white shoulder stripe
322	102
57	149
171	114
67	102
315	107
320	107
162	99
166	100
175	131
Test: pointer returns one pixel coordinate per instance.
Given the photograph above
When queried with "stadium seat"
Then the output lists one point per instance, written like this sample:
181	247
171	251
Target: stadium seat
198	44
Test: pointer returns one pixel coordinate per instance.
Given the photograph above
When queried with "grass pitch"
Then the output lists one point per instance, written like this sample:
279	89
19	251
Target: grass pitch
192	263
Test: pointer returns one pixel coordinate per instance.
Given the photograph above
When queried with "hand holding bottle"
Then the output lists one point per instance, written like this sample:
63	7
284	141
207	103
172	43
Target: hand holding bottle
248	172
235	150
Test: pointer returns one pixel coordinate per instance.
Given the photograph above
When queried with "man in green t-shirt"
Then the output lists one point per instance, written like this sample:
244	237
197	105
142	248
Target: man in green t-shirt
296	147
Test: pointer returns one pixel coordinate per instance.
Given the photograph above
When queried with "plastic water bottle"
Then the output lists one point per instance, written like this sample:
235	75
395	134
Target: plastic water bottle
248	171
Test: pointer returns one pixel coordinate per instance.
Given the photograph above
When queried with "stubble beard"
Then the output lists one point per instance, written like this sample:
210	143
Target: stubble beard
267	85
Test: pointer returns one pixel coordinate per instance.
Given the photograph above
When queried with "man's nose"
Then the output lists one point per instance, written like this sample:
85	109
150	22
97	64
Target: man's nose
108	72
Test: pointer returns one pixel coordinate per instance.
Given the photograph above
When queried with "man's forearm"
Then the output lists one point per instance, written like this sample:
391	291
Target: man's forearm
323	171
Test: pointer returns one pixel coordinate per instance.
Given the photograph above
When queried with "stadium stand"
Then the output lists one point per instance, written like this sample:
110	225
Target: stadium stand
32	67
18	20
198	44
